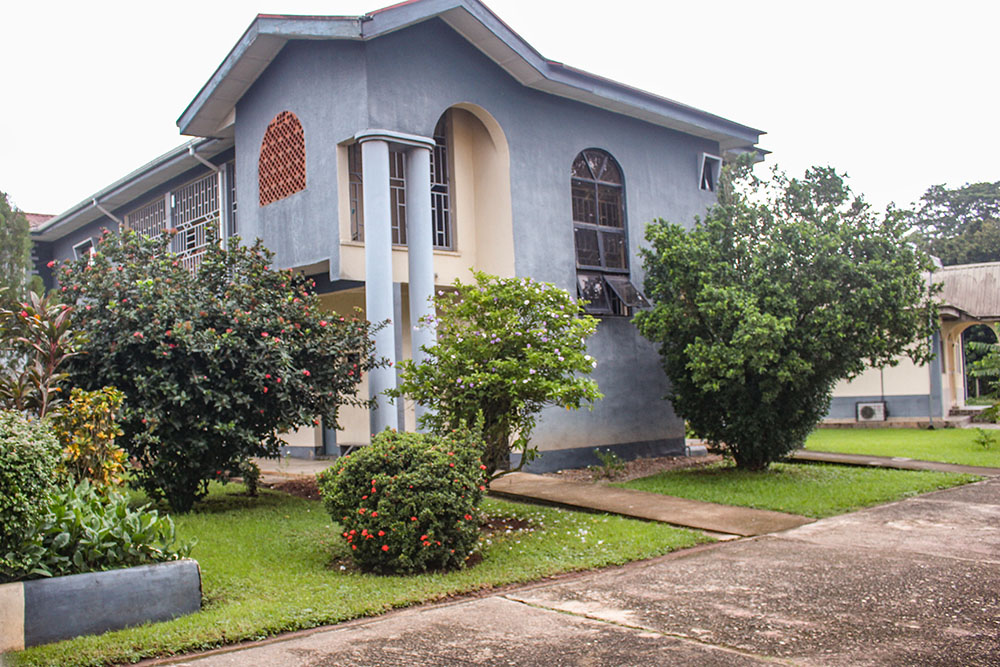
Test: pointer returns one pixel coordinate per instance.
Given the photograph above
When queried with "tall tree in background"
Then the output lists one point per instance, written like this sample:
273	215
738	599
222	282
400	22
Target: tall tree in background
782	290
960	225
15	249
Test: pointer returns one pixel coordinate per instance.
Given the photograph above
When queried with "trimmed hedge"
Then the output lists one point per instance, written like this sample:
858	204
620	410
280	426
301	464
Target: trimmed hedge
29	454
408	502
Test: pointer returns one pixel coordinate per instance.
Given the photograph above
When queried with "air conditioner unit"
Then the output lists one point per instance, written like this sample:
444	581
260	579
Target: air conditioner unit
873	411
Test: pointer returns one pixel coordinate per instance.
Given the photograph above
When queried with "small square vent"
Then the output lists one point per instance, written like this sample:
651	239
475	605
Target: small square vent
871	412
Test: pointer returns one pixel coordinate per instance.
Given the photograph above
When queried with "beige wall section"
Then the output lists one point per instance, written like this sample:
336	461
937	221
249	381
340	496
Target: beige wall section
904	379
353	420
482	218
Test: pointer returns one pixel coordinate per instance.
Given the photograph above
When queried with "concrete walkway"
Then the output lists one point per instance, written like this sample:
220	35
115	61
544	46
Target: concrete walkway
898	462
909	583
718	520
712	517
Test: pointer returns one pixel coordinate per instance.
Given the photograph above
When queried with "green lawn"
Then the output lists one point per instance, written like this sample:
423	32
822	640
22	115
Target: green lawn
278	564
950	445
800	488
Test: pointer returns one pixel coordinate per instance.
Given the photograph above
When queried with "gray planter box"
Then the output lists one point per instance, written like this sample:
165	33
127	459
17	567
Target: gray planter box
47	610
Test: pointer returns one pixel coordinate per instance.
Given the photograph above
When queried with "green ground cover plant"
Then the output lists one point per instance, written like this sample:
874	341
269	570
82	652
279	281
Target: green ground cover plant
276	563
950	445
808	489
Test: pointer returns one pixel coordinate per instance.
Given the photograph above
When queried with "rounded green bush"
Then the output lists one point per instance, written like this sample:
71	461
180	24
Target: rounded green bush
408	502
29	454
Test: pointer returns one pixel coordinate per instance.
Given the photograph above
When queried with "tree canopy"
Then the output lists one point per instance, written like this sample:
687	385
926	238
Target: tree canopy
15	248
783	289
959	225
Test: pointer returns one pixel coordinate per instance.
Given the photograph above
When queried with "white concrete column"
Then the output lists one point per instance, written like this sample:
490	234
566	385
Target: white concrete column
378	276
420	242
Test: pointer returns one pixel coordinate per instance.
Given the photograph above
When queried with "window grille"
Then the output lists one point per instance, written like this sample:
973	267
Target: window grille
440	187
194	209
356	192
281	169
397	196
149	220
440	192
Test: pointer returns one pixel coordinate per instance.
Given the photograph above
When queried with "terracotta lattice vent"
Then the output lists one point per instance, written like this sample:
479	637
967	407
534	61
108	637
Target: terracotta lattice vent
281	170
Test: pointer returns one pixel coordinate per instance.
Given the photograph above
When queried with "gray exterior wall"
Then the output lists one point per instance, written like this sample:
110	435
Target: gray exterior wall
62	248
404	81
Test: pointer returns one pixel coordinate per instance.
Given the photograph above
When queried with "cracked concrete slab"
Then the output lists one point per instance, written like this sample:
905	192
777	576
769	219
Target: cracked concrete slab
490	631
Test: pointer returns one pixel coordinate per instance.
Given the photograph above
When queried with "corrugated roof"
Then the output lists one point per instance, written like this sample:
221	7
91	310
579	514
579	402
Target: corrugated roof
971	289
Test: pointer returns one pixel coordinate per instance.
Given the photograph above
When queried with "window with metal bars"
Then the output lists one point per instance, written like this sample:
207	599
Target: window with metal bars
440	192
597	191
148	220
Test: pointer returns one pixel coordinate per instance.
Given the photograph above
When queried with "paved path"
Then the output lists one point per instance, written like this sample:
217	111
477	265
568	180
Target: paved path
712	517
909	583
899	462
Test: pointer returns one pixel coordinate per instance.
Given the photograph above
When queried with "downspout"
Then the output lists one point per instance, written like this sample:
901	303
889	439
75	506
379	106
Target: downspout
106	212
223	226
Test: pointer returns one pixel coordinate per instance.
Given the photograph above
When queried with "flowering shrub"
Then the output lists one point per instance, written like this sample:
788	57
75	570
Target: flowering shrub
29	453
213	363
87	427
408	502
506	348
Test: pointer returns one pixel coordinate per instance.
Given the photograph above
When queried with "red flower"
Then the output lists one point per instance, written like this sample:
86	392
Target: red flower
381	533
306	373
413	518
374	513
263	334
385	547
322	323
51	264
468	517
423	537
482	467
24	313
451	465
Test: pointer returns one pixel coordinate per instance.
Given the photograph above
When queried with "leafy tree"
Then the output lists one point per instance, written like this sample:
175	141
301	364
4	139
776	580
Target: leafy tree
987	365
959	225
15	249
213	363
506	348
782	290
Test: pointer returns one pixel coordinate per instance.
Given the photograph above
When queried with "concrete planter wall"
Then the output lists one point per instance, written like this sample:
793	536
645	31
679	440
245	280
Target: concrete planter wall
47	610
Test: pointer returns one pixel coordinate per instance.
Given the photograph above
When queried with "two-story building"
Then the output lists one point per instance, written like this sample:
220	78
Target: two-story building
386	155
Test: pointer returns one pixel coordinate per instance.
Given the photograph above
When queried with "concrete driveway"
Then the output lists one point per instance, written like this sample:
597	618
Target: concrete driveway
911	583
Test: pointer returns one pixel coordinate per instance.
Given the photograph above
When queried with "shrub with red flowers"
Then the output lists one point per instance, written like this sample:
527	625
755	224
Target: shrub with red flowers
213	363
409	502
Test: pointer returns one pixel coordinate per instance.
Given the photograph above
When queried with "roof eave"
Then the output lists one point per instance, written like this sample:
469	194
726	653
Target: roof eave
267	35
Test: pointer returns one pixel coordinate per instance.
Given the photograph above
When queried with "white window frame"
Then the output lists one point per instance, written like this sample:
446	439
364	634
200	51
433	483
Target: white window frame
89	246
713	162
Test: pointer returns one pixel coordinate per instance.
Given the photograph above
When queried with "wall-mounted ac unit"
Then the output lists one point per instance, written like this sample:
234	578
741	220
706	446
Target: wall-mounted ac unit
873	411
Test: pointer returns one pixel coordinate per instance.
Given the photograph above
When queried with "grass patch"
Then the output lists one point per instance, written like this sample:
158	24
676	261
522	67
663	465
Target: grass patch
808	489
950	445
274	564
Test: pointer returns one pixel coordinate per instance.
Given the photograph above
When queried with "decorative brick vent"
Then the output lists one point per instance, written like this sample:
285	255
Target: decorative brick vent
281	170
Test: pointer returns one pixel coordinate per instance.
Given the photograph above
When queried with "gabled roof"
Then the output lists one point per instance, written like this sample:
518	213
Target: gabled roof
211	113
147	177
37	219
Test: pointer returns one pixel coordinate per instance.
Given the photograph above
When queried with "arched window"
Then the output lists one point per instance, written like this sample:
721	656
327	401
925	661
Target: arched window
281	169
598	194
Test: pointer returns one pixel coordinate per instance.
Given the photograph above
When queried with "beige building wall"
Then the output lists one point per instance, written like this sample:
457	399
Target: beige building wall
905	379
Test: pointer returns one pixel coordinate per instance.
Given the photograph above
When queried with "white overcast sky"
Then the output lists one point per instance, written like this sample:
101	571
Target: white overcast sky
900	95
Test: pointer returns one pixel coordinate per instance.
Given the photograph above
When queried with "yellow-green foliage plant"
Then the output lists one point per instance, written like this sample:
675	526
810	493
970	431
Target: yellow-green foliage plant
87	427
